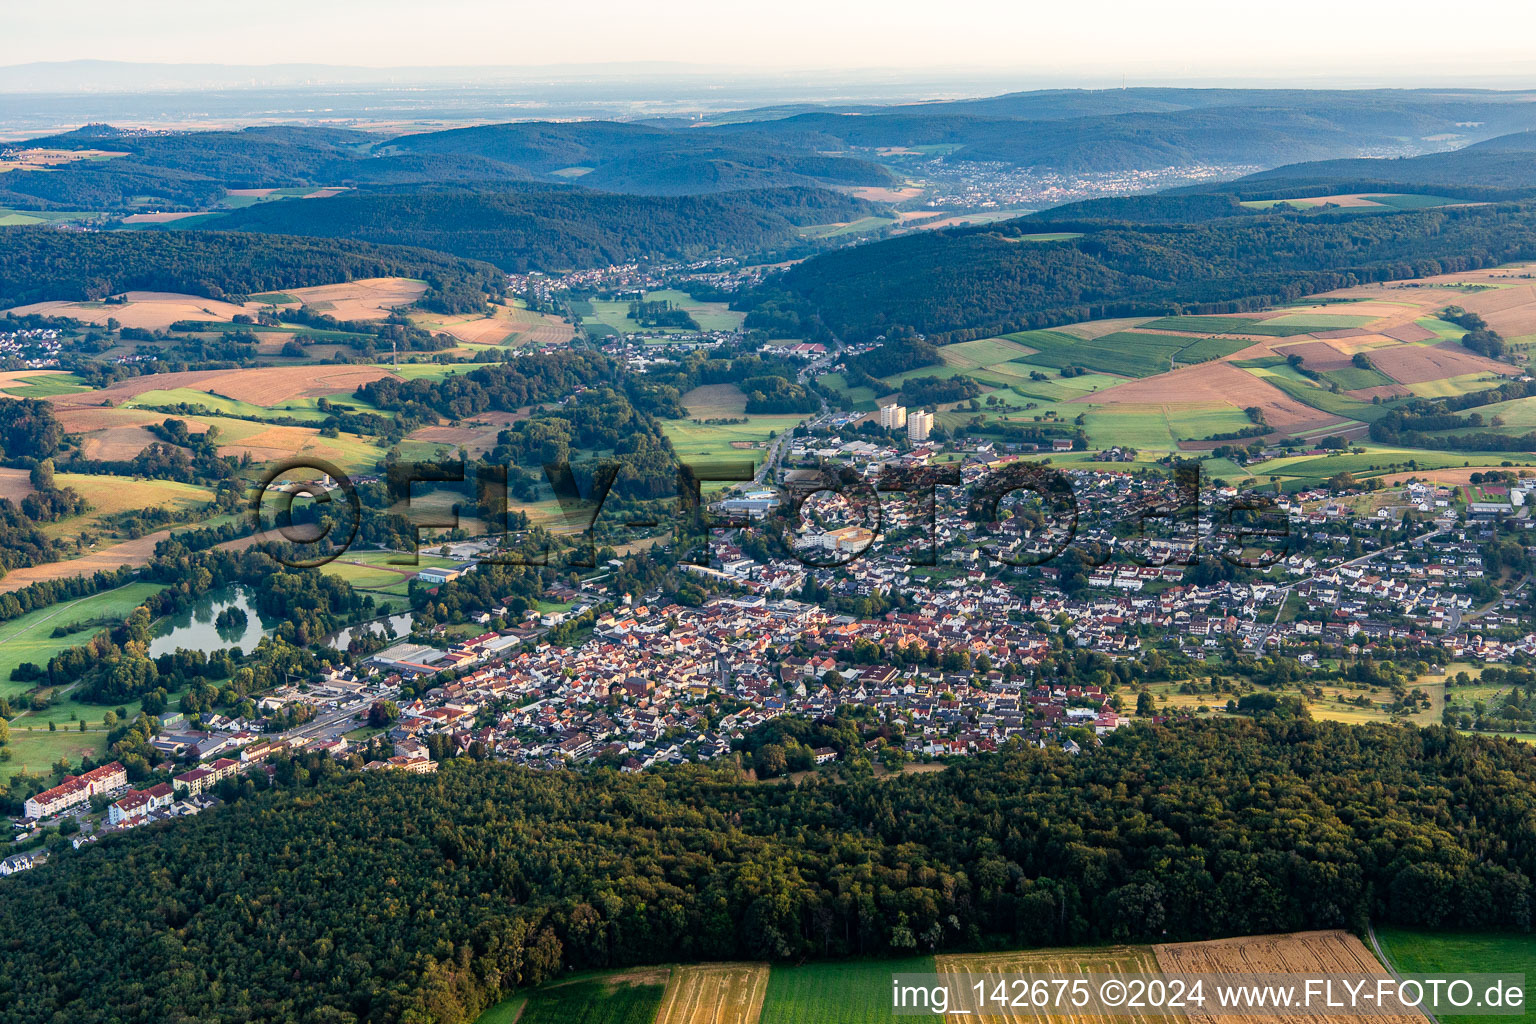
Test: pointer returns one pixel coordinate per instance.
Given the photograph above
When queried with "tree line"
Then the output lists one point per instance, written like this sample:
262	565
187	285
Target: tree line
381	897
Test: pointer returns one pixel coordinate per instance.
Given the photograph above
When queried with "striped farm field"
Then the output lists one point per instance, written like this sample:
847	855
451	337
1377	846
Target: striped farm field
714	994
1055	963
1318	953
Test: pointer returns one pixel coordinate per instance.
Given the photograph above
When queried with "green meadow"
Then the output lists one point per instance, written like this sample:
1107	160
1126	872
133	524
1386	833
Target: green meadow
839	992
1417	951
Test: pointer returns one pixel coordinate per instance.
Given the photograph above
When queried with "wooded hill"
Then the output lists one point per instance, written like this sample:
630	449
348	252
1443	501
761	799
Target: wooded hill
386	897
556	228
973	282
39	264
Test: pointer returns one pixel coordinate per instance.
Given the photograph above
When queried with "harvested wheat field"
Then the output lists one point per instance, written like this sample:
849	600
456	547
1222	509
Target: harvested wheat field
369	298
118	444
15	484
160	218
150	310
1314	953
87	419
265	386
1057	963
1411	333
274	443
104	559
714	994
1088	330
1217	384
881	194
1317	355
506	325
1510	311
1414	364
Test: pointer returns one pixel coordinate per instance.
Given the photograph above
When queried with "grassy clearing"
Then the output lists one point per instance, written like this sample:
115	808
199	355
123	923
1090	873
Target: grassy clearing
841	992
726	441
711	316
860	398
372	571
982	352
855	227
715	401
1519	414
1413	951
37	751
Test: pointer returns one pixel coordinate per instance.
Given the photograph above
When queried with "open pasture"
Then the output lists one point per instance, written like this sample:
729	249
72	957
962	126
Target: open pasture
737	441
1416	951
714	994
711	316
39	383
111	495
18	218
269	443
839	992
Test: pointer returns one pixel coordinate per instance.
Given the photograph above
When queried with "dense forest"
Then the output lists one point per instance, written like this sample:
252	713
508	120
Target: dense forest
554	229
964	283
385	897
42	264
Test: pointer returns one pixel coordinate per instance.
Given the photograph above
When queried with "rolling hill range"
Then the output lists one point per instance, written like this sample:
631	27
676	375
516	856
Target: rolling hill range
1060	131
548	229
972	282
1506	163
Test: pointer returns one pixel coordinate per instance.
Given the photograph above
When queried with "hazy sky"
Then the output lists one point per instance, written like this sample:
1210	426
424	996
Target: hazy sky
1196	38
